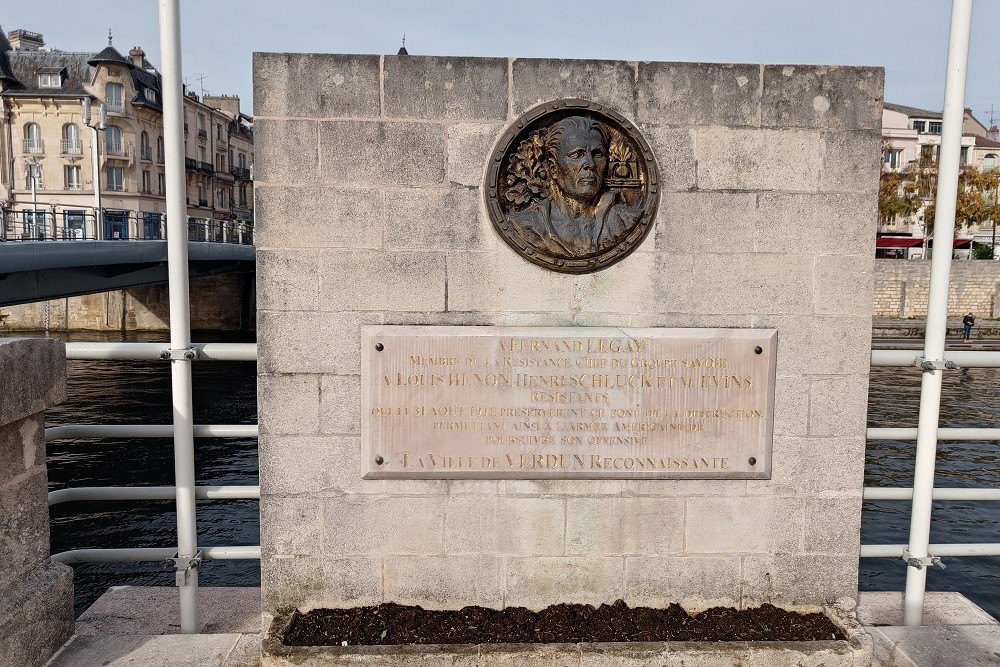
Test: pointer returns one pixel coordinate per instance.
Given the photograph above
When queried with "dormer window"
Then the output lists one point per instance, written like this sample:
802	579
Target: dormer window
150	95
50	78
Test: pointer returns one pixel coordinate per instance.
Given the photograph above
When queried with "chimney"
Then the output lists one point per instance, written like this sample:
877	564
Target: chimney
993	133
23	40
228	104
137	55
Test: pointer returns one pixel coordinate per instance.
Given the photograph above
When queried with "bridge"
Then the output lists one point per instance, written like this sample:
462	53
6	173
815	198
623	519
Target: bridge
40	270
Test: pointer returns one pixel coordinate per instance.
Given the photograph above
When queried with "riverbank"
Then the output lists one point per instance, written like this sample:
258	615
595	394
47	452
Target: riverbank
888	327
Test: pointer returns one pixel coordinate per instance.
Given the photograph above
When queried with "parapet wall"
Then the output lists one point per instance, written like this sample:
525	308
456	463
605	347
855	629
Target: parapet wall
902	288
36	596
370	210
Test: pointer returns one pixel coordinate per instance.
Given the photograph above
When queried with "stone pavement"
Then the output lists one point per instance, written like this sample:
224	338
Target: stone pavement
137	626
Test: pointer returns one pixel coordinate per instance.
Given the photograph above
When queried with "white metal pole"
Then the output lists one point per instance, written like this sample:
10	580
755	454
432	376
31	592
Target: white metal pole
937	309
180	319
96	158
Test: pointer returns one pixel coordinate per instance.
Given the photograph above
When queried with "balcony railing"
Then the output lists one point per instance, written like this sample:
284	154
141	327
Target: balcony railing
146	153
240	172
160	158
117	149
114	107
71	147
33	146
115	187
206	167
75	187
202	202
190	163
202	134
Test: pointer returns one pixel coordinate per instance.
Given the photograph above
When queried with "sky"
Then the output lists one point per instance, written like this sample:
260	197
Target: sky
907	37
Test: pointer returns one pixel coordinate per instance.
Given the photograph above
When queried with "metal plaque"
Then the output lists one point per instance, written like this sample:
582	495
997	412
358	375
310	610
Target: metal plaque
567	403
572	186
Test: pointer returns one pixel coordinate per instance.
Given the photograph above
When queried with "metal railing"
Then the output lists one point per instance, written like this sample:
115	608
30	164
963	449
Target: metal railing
33	146
71	147
74	225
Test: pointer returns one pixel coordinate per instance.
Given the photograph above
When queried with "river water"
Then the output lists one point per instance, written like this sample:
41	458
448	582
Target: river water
225	393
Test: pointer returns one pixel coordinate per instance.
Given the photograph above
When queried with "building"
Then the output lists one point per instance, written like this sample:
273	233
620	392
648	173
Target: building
83	156
910	134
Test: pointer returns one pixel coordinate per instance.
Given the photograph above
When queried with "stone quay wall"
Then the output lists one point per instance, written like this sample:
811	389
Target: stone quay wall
369	184
902	288
218	303
36	595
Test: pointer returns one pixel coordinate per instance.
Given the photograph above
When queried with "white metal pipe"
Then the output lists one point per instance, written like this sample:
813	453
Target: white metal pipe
937	305
950	434
136	555
151	493
962	358
939	550
67	431
180	312
941	493
148	351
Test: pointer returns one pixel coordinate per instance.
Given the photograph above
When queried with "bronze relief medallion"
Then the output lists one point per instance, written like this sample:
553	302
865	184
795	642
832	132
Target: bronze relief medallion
572	186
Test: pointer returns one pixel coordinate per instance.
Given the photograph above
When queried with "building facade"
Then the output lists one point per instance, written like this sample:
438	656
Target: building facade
83	155
910	135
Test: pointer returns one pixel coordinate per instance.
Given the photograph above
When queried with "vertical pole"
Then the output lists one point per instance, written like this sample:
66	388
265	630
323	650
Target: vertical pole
96	159
180	317
937	307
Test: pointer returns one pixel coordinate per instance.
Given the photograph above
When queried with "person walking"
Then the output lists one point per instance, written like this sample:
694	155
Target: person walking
968	322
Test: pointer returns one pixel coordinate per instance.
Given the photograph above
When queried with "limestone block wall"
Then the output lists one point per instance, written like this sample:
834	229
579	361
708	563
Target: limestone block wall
902	288
219	303
36	596
369	186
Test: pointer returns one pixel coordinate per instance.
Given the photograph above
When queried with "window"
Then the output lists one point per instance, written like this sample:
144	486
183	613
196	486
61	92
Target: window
934	127
893	158
75	224
927	152
116	224
113	96
116	179
151	225
243	161
220	162
218	131
33	177
162	182
147	182
990	162
150	95
160	156
243	195
964	157
231	163
49	80
34	224
71	173
113	141
919	125
145	150
33	139
71	140
201	195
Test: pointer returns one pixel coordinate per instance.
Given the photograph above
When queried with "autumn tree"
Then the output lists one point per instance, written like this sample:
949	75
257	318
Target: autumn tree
977	199
898	195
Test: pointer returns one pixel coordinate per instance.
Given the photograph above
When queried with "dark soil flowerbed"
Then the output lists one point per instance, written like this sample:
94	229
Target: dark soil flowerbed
571	623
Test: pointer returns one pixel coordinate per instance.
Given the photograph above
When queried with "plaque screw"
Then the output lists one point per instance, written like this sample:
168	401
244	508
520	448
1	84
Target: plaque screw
379	347
758	350
752	461
379	460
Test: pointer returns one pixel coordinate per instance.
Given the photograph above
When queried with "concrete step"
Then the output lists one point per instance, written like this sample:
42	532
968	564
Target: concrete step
139	626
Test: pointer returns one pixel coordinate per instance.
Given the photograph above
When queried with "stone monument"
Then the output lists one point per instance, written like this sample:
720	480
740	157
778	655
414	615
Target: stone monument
543	331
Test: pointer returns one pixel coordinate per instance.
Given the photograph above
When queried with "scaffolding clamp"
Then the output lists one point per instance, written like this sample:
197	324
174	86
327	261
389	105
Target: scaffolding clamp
182	354
929	366
183	566
921	563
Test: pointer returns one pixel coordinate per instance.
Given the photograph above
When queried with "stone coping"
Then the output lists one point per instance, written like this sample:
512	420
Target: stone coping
855	651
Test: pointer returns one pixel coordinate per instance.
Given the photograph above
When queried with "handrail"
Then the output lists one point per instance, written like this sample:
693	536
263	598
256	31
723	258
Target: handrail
938	550
216	492
938	493
962	358
151	351
951	434
66	431
74	556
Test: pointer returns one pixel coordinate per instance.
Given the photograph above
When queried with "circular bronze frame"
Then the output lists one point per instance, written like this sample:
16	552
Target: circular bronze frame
545	114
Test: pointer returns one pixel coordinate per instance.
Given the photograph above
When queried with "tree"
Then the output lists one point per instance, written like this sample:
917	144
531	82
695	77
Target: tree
898	195
977	200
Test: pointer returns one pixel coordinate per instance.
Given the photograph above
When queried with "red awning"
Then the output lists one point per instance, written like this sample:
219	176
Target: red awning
959	244
897	242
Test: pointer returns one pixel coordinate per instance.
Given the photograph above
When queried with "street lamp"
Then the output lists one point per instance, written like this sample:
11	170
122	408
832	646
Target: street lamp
102	123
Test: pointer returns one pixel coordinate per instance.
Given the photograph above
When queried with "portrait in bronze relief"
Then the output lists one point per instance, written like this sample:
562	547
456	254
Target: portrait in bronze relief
572	187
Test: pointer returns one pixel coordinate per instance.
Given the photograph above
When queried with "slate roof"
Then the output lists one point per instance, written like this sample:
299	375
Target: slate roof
111	56
913	112
26	65
984	142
